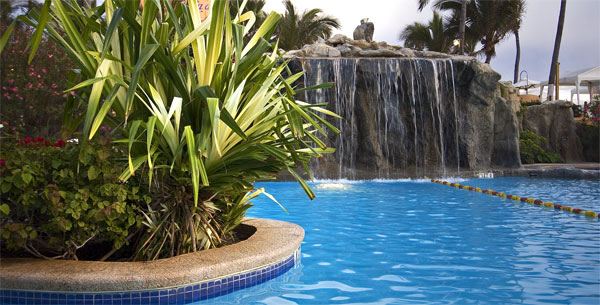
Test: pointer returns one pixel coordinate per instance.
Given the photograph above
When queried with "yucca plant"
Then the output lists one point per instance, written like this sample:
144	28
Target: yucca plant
201	113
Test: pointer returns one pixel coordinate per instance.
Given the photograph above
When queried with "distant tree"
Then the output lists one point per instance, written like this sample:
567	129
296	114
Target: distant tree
515	31
557	40
489	22
432	36
462	18
296	30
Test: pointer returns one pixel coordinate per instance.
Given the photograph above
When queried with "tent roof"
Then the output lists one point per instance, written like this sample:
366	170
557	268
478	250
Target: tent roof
579	77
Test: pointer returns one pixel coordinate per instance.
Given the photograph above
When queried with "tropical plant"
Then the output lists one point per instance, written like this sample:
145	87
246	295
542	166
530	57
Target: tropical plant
256	6
294	30
432	36
557	40
199	112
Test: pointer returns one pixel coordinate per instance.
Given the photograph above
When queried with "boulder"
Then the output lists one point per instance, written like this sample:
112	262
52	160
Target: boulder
554	121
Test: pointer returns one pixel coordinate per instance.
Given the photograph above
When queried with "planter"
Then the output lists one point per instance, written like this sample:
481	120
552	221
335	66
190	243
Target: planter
272	250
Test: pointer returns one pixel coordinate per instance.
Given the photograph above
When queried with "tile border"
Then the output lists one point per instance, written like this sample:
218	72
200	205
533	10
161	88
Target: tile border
271	251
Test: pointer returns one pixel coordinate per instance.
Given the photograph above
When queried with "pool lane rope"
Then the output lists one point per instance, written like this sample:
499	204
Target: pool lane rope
537	202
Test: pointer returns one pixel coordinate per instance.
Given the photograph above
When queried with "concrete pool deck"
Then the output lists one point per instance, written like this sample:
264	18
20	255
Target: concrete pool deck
274	241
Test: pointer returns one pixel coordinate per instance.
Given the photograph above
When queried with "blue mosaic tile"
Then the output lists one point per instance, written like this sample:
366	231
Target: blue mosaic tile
176	295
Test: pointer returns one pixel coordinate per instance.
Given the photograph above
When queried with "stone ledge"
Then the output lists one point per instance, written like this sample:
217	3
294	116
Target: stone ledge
272	242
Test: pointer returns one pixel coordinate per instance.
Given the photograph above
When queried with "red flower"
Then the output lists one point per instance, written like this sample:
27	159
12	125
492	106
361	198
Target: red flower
28	140
60	143
1	162
38	139
47	143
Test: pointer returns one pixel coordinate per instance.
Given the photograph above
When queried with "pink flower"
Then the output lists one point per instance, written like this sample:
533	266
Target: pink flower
19	97
15	89
29	85
39	85
4	88
72	92
5	123
64	95
50	55
43	70
38	76
31	73
30	107
12	81
54	86
31	69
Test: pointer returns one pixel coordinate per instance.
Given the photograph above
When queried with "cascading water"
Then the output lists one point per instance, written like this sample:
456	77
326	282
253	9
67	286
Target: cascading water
400	116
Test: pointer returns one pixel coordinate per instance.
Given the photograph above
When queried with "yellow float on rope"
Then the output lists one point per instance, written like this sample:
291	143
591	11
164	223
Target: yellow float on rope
548	204
591	214
502	195
530	200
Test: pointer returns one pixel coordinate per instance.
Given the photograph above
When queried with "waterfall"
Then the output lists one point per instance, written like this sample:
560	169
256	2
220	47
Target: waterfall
400	116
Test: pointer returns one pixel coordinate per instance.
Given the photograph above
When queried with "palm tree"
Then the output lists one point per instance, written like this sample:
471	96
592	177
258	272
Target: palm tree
295	30
462	19
489	22
432	36
559	30
515	31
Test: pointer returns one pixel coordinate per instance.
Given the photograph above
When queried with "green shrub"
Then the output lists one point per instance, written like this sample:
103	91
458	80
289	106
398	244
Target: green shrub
577	110
590	140
531	152
58	197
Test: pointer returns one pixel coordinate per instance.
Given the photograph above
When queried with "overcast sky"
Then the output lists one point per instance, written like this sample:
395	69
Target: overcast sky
580	47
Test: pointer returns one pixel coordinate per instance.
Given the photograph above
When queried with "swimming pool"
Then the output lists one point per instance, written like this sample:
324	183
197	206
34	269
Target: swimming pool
416	242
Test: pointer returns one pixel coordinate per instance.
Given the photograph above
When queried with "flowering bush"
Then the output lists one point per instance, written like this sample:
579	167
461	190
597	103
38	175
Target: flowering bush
32	95
59	197
591	111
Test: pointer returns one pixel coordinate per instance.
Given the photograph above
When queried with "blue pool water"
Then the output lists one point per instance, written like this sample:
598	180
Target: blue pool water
416	242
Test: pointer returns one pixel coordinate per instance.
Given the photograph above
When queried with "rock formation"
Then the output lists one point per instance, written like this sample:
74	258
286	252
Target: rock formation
407	113
554	121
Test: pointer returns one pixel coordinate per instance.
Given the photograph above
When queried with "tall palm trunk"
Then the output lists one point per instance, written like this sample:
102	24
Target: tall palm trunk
461	27
518	57
559	30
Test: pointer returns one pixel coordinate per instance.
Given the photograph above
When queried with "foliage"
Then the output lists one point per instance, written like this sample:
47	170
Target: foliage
200	113
577	110
58	197
295	31
256	6
532	152
32	96
432	36
591	111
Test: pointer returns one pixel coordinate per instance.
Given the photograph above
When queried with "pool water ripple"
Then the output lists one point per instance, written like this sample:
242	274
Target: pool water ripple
423	243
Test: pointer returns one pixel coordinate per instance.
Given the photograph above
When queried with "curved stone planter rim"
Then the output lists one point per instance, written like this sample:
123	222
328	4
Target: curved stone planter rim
273	242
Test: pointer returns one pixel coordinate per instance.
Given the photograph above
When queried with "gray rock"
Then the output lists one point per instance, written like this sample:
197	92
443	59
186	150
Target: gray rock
364	31
506	135
320	50
378	53
554	121
338	39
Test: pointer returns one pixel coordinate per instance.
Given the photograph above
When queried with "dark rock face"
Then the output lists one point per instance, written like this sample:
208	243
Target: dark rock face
364	31
411	117
554	121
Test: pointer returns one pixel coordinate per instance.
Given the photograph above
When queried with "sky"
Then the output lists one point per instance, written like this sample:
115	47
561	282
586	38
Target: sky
580	47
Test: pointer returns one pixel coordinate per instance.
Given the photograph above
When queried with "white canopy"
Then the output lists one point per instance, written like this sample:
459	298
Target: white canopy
589	77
